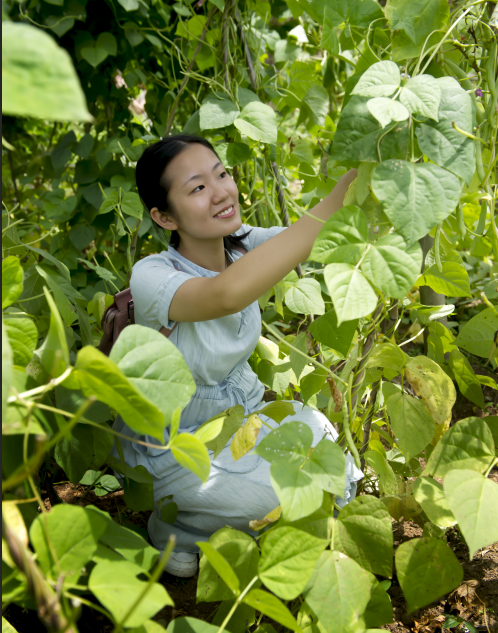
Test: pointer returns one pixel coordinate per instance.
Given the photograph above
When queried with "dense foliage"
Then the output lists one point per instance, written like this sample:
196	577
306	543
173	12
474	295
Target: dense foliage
292	94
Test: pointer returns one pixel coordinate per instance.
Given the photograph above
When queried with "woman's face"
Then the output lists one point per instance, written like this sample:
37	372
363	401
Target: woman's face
202	197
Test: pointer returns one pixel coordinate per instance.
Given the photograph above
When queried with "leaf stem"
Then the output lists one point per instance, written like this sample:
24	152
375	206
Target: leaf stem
235	605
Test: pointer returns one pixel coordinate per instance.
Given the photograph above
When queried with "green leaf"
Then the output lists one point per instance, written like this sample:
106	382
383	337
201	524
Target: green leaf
421	96
416	25
23	336
110	202
465	377
12	280
291	442
138	488
93	53
363	531
96	375
240	551
433	385
477	336
427	569
379	80
384	472
131	205
305	297
467	445
452	280
191	625
63	305
7	358
379	609
286	51
155	366
86	171
429	493
272	607
245	438
288	557
338	592
73	533
492	422
86	448
352	295
388	356
39	79
191	453
327	466
81	235
54	353
328	332
217	110
359	137
245	97
411	422
7	626
232	154
415	196
222	567
277	410
131	5
312	383
329	41
220	429
317	102
62	267
474	501
298	493
116	586
259	122
440	141
386	110
342	238
392	266
103	273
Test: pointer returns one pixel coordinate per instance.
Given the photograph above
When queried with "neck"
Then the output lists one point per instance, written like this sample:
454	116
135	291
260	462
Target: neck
208	253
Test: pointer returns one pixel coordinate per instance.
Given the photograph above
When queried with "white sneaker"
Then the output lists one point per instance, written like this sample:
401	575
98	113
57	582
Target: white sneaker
182	564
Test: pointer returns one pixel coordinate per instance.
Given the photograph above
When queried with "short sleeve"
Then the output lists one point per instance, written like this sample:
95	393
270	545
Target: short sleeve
153	285
257	235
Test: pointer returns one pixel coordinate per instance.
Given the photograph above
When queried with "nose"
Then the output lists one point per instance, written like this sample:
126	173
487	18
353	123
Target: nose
219	193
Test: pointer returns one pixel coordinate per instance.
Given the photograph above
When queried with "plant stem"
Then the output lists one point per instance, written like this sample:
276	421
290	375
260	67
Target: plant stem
236	604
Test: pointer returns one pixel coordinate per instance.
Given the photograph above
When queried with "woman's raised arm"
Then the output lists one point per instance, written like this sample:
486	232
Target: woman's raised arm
242	283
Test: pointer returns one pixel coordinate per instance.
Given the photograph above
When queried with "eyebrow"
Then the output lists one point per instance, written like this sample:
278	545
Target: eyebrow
200	175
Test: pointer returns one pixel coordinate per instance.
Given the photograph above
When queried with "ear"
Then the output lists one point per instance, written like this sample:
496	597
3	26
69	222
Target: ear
163	220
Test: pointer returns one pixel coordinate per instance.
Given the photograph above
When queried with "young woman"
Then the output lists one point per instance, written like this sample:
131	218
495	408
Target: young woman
205	292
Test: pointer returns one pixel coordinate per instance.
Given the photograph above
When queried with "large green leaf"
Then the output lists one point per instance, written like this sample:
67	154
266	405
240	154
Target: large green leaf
415	25
217	110
440	141
328	332
23	336
291	442
415	196
96	375
474	501
411	422
86	448
379	609
305	297
379	80
116	586
341	11
259	122
39	79
352	295
342	238
338	592
155	366
272	607
329	41
216	432
477	336
421	95
241	552
222	567
392	266
467	445
12	280
327	466
427	569
363	531
317	101
191	453
288	558
298	493
386	110
73	533
429	493
465	378
190	625
359	136
452	280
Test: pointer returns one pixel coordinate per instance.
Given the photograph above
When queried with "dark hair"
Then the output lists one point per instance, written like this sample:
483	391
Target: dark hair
153	190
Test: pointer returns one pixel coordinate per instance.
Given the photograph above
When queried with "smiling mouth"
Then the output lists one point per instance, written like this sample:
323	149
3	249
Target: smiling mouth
226	213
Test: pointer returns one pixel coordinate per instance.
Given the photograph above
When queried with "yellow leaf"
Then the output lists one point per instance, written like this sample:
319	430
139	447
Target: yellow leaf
246	437
272	516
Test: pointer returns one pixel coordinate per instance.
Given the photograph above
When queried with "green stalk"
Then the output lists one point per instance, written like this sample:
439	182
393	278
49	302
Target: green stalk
236	604
346	421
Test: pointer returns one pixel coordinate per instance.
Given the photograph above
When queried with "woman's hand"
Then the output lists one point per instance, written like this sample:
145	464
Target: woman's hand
248	278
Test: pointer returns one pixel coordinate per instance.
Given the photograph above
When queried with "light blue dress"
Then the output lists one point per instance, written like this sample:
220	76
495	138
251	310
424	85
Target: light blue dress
216	352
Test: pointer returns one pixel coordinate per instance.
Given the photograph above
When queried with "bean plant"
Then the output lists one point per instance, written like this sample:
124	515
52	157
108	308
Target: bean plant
382	328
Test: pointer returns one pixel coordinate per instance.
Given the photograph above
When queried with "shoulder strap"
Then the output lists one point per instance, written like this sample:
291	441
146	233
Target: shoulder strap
240	249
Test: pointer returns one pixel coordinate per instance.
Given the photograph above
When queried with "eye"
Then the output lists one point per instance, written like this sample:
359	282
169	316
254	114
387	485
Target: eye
223	174
198	188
